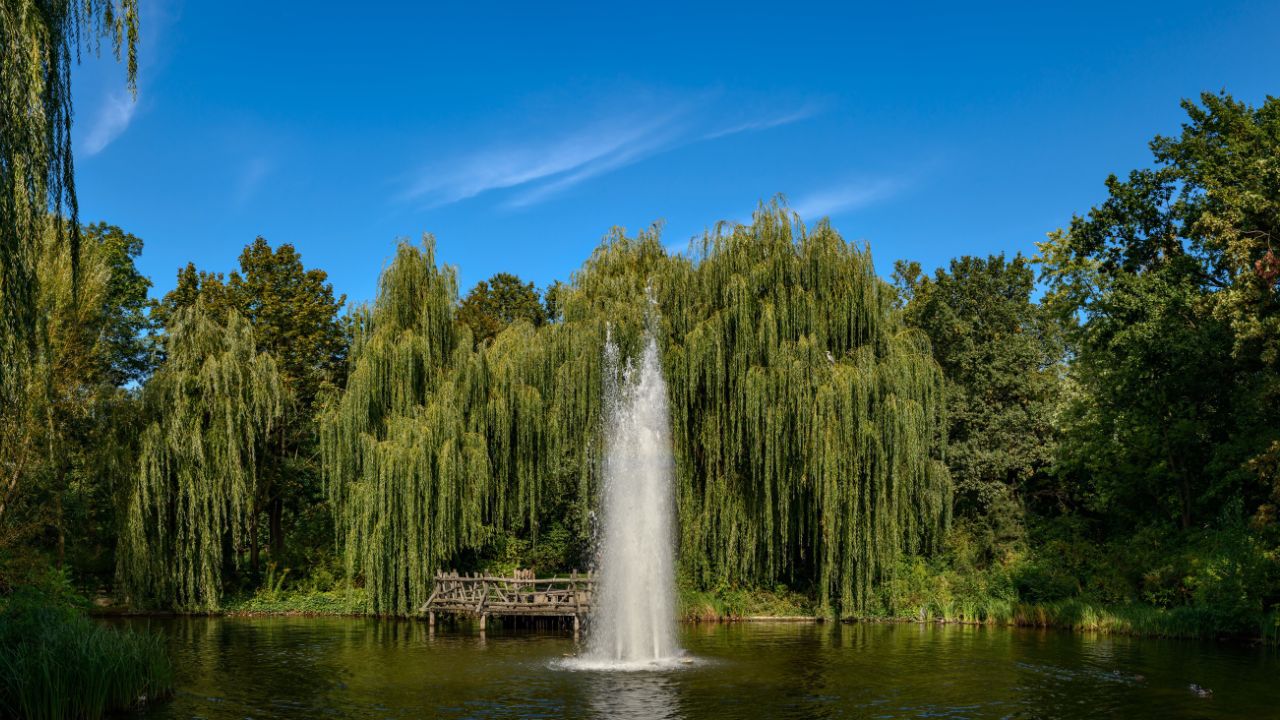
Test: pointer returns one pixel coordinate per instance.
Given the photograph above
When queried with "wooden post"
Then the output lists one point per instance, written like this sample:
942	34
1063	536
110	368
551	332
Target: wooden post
575	627
431	619
484	617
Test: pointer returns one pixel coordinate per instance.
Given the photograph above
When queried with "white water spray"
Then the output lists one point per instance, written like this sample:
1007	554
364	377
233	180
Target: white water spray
633	622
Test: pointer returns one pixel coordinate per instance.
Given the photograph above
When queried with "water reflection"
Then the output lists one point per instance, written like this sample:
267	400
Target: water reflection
278	668
631	694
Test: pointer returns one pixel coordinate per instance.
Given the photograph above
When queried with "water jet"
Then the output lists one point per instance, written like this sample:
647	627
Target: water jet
633	621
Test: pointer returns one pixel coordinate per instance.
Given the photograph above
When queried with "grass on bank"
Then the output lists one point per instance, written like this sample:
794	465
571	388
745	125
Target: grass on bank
1081	615
1071	584
56	663
733	603
1072	614
319	592
341	601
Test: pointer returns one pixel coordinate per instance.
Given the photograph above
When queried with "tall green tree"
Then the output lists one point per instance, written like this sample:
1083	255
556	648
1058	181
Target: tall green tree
1177	361
98	335
77	444
193	286
125	306
294	316
210	410
1003	358
494	304
552	300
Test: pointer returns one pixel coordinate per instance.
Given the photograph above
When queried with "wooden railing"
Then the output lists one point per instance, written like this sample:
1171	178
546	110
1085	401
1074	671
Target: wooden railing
523	594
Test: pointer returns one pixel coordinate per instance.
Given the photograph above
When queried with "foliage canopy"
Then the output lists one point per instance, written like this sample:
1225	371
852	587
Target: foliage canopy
496	303
808	422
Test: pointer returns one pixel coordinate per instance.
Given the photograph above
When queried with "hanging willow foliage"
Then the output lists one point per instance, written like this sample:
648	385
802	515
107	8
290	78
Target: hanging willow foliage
808	422
212	402
39	40
435	445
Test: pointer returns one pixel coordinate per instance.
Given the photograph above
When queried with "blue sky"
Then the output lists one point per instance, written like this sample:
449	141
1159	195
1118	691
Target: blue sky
519	135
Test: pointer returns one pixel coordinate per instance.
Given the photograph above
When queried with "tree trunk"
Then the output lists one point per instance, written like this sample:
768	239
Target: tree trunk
1186	503
275	507
1184	490
62	533
253	542
276	520
11	484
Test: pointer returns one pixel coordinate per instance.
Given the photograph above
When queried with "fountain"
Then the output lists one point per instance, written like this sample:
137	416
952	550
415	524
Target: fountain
633	623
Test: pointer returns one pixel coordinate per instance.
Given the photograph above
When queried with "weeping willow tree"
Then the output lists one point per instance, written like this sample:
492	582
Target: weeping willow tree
808	423
436	445
212	404
38	41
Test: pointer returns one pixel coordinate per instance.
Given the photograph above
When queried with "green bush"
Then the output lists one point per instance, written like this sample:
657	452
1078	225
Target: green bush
1232	573
1158	582
339	601
57	663
732	602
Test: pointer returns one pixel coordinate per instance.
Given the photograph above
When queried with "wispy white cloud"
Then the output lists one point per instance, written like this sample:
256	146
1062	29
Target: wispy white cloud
251	177
765	122
844	197
541	169
578	154
114	106
113	118
659	138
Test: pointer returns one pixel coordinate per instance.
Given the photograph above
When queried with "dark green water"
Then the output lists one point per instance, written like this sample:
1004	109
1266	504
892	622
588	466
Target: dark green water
352	668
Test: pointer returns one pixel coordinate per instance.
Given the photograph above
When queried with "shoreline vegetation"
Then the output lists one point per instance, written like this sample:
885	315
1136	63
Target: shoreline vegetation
744	606
57	662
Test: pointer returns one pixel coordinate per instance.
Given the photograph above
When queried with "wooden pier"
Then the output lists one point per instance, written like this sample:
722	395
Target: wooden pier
522	595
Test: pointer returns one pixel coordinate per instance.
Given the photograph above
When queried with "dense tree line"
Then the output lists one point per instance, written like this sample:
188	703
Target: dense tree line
1116	437
1096	421
807	419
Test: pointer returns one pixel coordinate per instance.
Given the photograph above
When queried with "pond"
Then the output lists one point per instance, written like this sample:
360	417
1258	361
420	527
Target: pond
282	667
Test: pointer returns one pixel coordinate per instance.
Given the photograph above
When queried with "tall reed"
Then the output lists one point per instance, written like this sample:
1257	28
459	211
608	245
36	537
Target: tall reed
56	663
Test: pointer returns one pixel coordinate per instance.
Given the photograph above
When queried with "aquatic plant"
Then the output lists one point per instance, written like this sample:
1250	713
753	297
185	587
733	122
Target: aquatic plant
56	663
807	421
